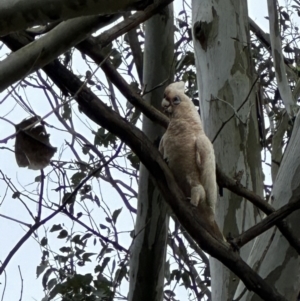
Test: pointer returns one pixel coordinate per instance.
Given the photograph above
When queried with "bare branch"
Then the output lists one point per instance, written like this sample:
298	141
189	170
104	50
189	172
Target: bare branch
94	51
266	223
259	202
59	209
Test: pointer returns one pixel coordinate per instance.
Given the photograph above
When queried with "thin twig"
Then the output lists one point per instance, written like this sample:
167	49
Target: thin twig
267	223
229	183
5	282
60	208
15	220
41	196
77	220
242	104
59	106
22	283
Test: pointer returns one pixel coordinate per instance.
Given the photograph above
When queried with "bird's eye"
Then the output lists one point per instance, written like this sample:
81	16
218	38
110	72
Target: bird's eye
165	95
176	100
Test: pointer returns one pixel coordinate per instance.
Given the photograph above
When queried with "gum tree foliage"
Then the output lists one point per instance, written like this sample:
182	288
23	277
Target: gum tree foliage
85	79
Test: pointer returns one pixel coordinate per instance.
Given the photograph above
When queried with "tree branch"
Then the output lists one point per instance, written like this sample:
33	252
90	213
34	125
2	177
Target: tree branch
227	182
40	52
266	223
21	14
39	223
89	48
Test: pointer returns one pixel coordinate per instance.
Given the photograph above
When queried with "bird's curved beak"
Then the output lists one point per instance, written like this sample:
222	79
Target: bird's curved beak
166	106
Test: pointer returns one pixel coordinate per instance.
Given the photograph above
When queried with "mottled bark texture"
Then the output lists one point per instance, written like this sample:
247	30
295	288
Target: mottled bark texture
225	82
148	253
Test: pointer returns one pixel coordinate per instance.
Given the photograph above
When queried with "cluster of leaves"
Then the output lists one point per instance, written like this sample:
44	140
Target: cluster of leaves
60	275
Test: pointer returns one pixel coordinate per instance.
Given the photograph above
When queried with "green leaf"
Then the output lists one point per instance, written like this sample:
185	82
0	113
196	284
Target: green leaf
86	256
186	279
46	276
97	201
86	236
134	160
44	241
77	177
56	290
66	111
79	281
16	195
120	274
37	179
62	234
100	268
102	282
78	253
170	293
167	271
99	136
69	198
116	58
41	268
86	149
116	214
76	239
56	228
105	262
61	259
51	283
113	266
102	138
175	275
65	249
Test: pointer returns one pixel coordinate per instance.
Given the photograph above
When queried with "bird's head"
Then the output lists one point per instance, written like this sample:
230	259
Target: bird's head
174	97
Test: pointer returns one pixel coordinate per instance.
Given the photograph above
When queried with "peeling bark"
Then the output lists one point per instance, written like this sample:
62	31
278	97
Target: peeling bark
224	76
272	256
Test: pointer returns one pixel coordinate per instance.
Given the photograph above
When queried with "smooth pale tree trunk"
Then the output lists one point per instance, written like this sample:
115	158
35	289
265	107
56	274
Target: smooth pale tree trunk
148	252
224	76
272	256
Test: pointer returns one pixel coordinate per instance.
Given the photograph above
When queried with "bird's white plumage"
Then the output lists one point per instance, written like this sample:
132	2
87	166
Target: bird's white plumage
188	151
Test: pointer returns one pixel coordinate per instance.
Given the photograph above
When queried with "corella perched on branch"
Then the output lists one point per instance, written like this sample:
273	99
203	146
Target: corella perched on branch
190	154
